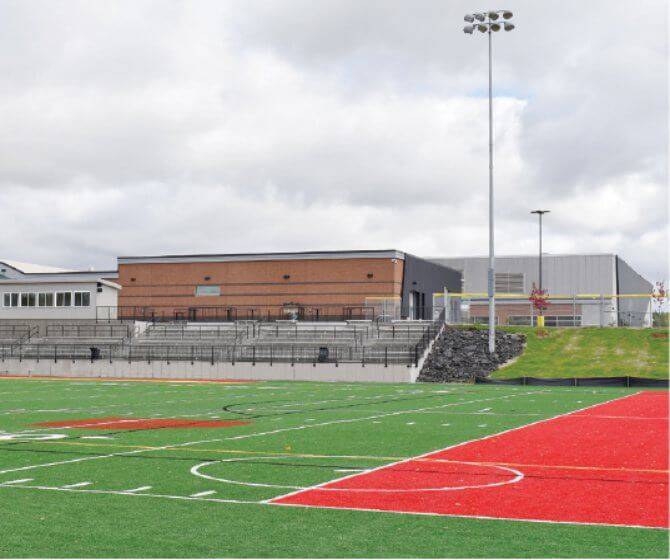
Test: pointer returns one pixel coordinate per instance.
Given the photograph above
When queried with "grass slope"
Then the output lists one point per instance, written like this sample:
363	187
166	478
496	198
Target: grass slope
591	352
295	430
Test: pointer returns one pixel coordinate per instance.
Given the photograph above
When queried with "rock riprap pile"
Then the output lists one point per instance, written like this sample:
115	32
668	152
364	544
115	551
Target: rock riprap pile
462	354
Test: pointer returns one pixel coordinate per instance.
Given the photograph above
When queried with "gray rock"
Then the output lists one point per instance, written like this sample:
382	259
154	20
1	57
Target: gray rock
461	354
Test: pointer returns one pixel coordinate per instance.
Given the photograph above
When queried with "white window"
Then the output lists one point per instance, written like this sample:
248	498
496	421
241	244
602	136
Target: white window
45	299
27	300
63	299
15	299
82	299
208	290
509	283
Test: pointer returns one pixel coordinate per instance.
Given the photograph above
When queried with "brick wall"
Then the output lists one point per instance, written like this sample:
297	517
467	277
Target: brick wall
329	282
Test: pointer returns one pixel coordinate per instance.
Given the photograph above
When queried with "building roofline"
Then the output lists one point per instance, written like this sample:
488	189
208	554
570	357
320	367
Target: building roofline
61	280
528	256
71	272
232	257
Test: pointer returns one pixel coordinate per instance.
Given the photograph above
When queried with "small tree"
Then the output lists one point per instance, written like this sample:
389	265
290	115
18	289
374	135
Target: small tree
538	298
658	295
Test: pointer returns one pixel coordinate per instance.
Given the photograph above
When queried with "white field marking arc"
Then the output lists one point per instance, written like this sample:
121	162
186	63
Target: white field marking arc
273	501
260	434
518	476
19	481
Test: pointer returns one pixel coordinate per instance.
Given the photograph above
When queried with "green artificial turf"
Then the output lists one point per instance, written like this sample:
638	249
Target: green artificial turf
297	434
590	352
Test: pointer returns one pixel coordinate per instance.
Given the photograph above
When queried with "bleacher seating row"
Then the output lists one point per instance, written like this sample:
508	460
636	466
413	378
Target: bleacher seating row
237	341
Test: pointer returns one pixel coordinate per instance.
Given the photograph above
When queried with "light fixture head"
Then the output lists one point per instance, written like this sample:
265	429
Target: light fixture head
509	26
482	28
480	17
469	18
507	14
493	15
495	27
469	29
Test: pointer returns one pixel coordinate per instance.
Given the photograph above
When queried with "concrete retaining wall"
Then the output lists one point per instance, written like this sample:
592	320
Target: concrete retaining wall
375	373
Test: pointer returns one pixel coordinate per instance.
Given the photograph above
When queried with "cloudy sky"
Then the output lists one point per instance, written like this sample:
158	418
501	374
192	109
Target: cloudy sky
132	127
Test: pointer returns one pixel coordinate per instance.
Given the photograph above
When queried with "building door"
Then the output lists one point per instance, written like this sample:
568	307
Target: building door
415	309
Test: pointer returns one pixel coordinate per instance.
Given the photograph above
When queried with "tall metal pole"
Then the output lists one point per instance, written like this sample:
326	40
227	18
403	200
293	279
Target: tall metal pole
540	259
491	275
487	22
540	213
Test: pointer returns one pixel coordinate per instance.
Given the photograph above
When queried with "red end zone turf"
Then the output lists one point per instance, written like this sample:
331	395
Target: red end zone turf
607	464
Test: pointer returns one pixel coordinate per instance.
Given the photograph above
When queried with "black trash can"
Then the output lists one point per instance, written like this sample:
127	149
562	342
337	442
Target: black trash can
95	353
323	354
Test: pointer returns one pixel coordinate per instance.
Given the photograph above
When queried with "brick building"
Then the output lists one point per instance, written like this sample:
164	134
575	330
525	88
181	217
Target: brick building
307	285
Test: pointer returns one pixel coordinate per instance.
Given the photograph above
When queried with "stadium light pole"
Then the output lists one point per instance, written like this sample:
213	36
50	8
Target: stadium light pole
487	22
540	213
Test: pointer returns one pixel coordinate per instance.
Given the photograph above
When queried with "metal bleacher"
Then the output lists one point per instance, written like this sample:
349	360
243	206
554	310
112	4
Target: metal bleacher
253	341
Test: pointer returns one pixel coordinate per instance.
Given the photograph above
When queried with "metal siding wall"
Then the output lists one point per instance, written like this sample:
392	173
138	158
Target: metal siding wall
633	311
562	274
430	278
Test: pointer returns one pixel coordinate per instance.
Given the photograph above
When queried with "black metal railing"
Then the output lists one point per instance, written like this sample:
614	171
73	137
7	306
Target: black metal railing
15	332
94	330
226	353
299	312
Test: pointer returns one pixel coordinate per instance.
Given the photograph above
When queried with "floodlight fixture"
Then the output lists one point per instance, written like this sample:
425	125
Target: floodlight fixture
495	27
480	17
469	18
507	14
493	15
468	29
508	26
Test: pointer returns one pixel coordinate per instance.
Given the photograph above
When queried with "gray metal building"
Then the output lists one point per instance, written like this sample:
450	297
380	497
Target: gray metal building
595	289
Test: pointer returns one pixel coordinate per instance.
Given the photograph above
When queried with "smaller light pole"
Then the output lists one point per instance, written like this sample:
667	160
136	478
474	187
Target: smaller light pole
540	213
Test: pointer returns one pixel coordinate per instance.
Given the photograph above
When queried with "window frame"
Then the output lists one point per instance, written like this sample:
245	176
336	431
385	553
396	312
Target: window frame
66	295
46	298
81	294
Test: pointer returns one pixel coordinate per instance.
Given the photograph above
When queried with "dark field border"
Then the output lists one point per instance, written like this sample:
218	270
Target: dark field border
624	381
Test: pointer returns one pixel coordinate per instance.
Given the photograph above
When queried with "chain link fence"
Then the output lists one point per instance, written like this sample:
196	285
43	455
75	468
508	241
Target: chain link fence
579	310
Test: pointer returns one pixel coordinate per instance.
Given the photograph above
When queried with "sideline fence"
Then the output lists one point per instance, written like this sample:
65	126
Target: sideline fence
226	353
622	381
577	310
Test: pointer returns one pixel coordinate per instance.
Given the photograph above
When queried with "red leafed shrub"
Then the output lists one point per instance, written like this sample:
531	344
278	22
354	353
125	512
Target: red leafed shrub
538	298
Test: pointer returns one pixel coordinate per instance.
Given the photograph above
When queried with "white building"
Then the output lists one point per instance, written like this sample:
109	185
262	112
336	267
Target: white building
35	292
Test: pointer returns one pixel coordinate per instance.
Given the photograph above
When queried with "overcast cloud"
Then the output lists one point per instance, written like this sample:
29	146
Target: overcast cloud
133	127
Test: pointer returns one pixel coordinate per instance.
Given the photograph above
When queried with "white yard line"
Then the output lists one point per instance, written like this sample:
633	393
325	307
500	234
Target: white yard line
76	485
201	494
126	493
140	489
18	481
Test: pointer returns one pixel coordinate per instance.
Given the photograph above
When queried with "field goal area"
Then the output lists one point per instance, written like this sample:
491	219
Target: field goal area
550	455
